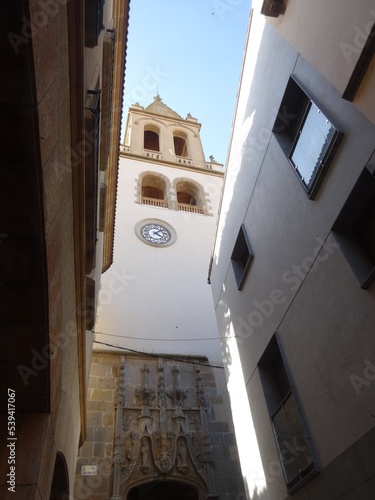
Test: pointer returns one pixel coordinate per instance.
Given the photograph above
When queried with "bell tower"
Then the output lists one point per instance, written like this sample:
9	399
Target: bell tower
157	389
167	203
159	132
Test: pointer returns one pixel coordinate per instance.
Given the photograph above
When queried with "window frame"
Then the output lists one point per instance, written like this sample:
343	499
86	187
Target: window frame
288	128
276	398
343	229
241	268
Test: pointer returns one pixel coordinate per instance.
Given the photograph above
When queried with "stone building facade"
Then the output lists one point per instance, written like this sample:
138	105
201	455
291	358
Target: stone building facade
156	426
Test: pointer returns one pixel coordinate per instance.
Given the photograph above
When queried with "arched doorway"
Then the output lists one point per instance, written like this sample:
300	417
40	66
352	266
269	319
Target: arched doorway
60	482
163	490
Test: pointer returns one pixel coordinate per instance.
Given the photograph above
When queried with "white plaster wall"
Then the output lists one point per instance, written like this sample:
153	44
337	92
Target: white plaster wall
157	293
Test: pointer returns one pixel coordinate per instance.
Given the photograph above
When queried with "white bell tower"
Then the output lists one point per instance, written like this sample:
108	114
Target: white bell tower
155	297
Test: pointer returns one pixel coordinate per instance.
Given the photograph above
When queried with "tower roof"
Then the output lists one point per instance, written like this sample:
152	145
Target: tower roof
159	108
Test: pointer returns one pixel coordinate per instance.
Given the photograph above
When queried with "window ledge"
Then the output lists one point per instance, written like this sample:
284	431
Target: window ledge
154	202
184	160
184	207
152	154
304	480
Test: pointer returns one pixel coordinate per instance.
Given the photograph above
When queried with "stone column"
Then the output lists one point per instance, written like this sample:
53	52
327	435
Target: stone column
117	450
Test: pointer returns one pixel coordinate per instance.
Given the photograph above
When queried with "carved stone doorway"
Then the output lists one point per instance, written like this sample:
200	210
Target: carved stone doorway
163	490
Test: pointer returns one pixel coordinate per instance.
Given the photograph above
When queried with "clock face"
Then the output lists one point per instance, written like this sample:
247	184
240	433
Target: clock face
155	234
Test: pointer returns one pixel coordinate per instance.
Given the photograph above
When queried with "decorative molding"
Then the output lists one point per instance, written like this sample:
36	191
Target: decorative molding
161	428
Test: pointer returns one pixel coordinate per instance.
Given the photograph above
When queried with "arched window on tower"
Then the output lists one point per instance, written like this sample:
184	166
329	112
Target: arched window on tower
153	191
180	144
151	138
189	198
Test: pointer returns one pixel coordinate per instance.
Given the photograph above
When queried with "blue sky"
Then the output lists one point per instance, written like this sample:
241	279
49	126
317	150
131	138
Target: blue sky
190	51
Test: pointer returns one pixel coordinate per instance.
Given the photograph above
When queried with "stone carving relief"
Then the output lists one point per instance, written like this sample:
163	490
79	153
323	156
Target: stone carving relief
144	394
182	455
177	394
129	448
163	446
161	430
145	457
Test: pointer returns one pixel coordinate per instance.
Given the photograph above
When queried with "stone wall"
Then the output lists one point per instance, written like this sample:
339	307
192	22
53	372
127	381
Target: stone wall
153	419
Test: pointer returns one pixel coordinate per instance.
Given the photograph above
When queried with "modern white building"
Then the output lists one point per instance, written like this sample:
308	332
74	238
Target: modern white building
294	259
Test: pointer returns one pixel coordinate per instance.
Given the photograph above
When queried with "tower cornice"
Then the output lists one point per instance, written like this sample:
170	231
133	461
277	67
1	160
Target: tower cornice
178	166
180	120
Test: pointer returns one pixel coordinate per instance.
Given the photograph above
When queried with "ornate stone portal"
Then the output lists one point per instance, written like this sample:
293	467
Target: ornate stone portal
161	427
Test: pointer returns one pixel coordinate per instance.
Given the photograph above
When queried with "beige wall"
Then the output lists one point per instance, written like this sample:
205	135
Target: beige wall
330	35
189	128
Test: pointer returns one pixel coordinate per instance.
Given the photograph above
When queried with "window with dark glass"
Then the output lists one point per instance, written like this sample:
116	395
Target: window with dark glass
293	444
242	257
94	11
354	229
305	134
